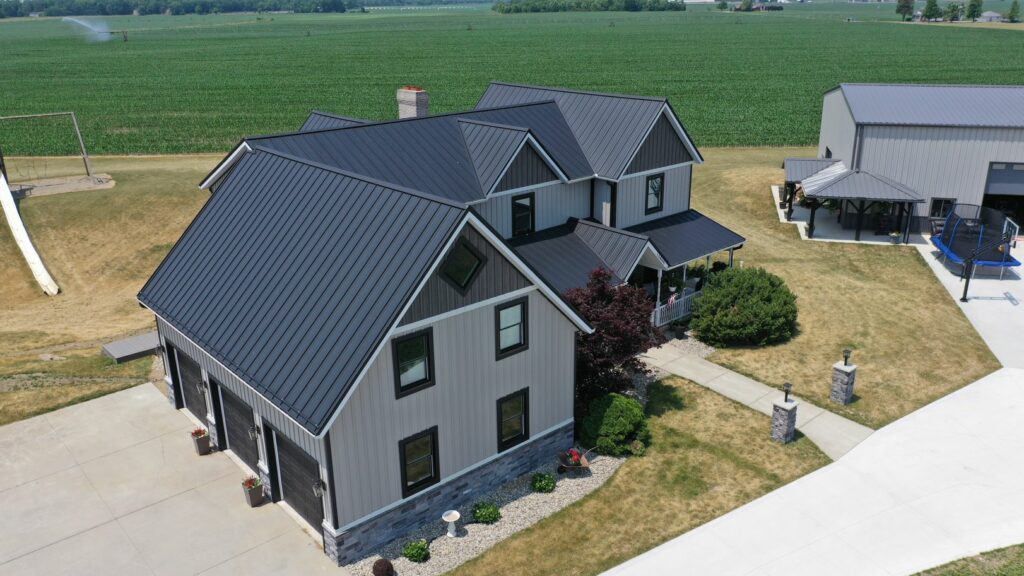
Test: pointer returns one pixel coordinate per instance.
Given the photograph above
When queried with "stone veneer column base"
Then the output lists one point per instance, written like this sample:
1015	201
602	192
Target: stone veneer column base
359	541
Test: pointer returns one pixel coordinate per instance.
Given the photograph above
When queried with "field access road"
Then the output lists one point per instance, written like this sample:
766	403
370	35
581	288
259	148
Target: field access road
939	484
113	486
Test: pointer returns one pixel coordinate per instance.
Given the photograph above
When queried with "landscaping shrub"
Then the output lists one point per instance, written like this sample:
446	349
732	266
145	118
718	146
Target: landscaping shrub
744	307
616	426
417	551
383	567
486	512
543	482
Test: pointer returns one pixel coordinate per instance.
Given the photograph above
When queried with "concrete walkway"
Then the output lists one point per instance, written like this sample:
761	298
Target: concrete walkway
834	434
940	484
113	486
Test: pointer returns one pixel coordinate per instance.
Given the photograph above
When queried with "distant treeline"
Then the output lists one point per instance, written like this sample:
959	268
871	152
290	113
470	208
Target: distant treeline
12	8
516	6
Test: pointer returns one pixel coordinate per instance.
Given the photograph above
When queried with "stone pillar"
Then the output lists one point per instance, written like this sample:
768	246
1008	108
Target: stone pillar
784	421
843	377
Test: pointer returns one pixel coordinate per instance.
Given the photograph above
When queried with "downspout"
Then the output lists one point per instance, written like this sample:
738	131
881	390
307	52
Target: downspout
330	480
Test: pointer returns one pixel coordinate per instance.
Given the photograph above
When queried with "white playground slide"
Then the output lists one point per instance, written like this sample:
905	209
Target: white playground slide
24	242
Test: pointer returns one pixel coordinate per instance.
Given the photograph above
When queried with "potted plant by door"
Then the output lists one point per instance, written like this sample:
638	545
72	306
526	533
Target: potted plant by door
201	440
253	488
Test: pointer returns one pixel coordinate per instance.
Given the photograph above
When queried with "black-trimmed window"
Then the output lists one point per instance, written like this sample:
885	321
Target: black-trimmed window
654	199
940	207
523	215
513	419
414	362
511	328
419	462
462	265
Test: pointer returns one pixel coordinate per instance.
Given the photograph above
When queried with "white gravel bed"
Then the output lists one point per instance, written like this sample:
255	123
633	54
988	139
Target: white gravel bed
520	509
688	344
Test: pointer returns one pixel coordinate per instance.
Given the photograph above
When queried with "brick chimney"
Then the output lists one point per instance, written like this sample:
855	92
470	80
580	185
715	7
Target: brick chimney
413	102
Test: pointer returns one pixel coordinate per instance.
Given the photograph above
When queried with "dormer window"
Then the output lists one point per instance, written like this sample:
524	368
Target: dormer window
655	194
522	215
462	265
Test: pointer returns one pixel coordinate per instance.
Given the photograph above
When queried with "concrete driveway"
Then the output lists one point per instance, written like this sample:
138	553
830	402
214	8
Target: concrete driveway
939	484
112	486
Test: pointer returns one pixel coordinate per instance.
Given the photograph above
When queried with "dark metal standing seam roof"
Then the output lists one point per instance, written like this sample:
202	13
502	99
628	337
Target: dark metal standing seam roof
799	168
280	276
318	120
491	147
686	236
566	255
859	185
936	105
609	127
431	153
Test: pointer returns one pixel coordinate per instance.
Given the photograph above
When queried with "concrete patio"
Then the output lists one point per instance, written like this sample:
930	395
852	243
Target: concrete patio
827	229
113	486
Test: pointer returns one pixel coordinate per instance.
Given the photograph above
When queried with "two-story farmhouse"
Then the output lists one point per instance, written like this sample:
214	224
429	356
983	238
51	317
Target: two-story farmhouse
901	155
369	315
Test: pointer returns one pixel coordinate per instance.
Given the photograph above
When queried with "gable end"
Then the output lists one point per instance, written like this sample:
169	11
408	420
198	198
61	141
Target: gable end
661	148
527	169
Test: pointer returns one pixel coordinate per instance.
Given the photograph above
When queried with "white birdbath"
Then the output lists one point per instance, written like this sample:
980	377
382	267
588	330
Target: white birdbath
451	517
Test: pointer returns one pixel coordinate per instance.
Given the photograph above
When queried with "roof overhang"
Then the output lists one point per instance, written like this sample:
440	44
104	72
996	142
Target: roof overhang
225	165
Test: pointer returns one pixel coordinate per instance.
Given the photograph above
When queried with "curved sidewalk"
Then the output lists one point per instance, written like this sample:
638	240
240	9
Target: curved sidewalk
832	433
937	485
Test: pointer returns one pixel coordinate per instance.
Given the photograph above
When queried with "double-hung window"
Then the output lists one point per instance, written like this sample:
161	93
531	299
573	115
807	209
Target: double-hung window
414	362
513	419
419	462
511	330
654	200
522	215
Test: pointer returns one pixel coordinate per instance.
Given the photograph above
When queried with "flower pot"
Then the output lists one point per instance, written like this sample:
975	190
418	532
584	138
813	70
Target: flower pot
202	444
254	495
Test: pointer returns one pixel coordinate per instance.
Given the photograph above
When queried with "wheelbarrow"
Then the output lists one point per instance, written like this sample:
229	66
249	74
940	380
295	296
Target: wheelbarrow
573	461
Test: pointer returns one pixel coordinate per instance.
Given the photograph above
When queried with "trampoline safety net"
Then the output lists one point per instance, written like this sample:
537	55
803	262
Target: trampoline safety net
972	231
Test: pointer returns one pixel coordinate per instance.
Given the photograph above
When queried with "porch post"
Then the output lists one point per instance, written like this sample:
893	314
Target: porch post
730	256
789	208
658	290
860	220
707	267
810	222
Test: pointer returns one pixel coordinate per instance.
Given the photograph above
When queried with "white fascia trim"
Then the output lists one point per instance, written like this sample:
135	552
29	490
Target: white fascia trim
512	257
539	150
655	171
682	134
653	251
412	327
226	165
734	246
232	372
394	326
458	475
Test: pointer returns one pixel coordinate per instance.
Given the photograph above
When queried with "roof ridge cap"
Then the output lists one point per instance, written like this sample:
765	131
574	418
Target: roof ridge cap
578	91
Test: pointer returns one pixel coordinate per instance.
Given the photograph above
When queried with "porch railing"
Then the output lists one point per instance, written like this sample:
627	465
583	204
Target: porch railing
682	307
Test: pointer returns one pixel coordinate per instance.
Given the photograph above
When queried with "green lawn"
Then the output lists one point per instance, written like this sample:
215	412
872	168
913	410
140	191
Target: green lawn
708	456
1003	562
199	83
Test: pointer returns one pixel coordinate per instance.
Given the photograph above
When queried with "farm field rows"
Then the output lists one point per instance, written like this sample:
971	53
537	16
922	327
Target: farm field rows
199	83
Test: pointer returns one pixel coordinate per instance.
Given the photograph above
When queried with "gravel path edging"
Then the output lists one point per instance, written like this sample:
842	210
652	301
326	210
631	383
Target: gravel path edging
520	509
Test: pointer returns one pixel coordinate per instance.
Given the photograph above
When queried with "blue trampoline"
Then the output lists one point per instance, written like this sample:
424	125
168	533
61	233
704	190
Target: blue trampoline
978	233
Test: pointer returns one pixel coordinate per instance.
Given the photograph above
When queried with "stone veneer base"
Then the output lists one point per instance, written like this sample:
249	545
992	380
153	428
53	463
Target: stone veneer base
359	541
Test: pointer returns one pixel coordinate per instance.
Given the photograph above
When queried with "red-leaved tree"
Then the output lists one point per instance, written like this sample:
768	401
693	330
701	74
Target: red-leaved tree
621	317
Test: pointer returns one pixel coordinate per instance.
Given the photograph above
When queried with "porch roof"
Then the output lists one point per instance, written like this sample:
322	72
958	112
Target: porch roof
566	255
799	168
837	182
687	236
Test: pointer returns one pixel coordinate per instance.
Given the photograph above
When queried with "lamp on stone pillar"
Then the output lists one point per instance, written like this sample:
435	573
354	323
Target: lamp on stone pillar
846	356
787	388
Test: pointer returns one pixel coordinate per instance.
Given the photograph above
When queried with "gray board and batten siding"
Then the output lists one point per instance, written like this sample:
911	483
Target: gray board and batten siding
497	276
491	147
553	206
661	148
527	169
631	200
469	381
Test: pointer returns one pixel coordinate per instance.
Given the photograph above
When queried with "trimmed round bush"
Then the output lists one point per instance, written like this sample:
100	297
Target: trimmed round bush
616	426
744	307
486	512
383	567
543	482
417	550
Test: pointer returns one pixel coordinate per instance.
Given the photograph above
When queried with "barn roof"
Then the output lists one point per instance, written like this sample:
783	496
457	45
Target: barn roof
936	105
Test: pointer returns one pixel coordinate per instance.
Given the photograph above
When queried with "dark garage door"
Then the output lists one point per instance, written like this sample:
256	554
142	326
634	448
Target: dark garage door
299	472
237	422
191	377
